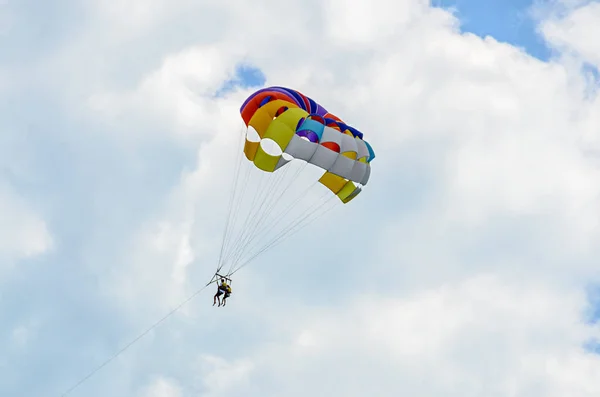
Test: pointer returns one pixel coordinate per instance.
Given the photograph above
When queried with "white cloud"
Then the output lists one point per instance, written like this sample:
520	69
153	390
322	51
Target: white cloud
179	96
366	23
155	270
23	234
162	387
482	336
503	133
474	290
570	32
25	333
220	377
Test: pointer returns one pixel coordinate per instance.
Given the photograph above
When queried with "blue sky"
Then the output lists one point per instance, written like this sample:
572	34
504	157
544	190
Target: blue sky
98	182
509	21
246	76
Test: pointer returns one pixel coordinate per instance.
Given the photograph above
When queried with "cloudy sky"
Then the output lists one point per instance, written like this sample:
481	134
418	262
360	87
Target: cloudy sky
468	267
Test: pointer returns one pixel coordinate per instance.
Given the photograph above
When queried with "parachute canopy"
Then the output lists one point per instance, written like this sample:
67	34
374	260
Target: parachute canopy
302	129
293	148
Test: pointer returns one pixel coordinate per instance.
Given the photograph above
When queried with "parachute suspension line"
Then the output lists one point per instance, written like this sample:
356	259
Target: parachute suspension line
235	201
283	233
248	215
236	206
276	199
303	216
276	218
257	215
260	216
288	208
288	233
296	227
256	208
272	222
234	183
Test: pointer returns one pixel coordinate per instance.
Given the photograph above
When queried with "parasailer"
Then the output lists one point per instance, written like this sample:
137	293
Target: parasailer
222	289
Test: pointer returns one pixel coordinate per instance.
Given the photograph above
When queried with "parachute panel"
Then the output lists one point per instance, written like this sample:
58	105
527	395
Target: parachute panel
348	189
359	170
362	151
342	167
344	189
371	152
349	146
333	182
312	130
263	160
345	161
366	176
280	132
263	116
250	149
328	149
283	128
301	148
351	196
257	101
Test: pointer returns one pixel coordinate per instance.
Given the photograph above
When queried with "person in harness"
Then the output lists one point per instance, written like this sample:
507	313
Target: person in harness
222	289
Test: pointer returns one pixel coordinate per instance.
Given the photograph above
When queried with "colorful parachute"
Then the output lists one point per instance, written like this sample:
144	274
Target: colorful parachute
286	131
305	130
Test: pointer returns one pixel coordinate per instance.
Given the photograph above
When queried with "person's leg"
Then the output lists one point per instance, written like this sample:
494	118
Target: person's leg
217	297
225	297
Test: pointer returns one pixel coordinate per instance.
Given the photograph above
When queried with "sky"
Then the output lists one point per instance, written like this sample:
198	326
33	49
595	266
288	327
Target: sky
466	267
